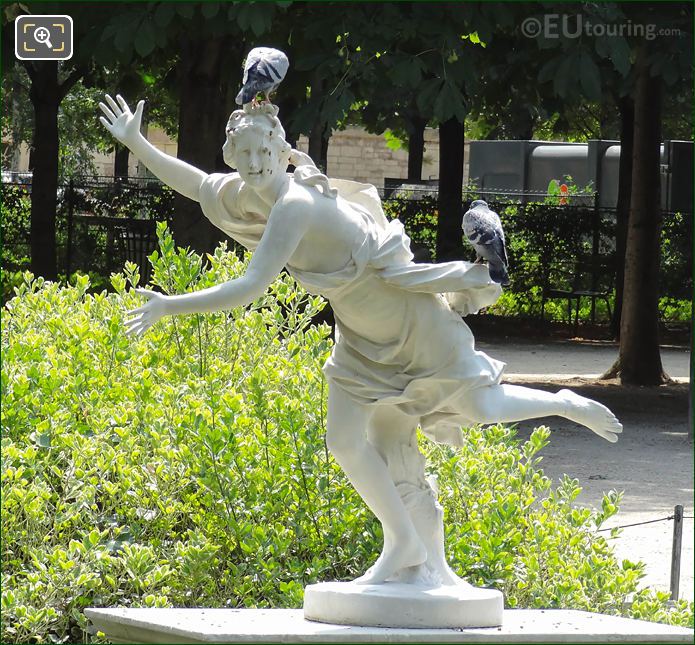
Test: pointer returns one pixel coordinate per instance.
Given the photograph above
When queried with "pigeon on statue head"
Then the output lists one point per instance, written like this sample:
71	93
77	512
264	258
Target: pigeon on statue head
483	229
264	70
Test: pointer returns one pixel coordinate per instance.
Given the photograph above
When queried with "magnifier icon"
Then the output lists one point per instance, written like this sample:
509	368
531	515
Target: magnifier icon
42	35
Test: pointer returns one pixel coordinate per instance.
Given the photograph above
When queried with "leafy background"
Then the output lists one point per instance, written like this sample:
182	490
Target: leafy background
189	468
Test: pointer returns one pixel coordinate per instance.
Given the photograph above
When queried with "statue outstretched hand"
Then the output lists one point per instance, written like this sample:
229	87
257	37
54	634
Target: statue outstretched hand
147	315
123	124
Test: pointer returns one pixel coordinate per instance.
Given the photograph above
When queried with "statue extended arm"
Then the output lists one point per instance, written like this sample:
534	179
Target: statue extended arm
124	125
283	233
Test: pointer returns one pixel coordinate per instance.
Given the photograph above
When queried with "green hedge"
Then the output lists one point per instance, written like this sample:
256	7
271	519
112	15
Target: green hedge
189	468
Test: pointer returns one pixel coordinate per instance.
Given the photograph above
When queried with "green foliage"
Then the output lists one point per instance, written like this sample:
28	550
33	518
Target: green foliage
544	242
676	254
566	191
508	528
673	310
133	468
15	219
77	143
419	218
395	142
189	468
650	604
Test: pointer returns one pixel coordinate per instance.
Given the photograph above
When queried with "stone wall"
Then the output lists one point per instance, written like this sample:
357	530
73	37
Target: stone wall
353	153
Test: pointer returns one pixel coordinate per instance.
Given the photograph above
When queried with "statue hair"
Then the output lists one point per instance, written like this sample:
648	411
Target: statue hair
264	120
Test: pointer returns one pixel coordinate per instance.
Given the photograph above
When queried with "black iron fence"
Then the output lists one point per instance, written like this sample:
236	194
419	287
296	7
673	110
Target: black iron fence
99	225
555	250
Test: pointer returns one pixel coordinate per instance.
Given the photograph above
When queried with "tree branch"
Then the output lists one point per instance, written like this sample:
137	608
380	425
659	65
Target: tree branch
70	81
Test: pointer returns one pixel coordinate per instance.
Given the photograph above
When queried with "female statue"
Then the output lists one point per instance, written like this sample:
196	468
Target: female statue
403	356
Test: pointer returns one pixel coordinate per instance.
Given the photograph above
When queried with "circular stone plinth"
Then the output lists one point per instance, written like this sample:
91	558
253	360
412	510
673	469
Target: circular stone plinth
394	604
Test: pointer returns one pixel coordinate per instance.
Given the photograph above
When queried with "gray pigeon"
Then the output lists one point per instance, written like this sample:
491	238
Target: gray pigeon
264	70
483	229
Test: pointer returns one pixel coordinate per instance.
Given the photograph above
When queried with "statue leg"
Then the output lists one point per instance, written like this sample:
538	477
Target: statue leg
346	426
394	435
510	403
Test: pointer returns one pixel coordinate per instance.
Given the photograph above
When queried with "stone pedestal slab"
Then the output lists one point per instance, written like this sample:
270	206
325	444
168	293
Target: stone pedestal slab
290	626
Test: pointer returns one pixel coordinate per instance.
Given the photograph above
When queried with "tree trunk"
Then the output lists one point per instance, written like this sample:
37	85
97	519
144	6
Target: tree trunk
15	124
45	98
120	162
640	360
318	146
318	137
202	119
416	146
449	233
626	107
325	139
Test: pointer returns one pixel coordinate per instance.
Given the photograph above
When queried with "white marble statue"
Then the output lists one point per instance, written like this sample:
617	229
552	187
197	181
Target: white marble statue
403	357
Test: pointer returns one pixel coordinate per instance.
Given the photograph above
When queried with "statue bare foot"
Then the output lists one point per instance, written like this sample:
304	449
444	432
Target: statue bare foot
396	555
595	416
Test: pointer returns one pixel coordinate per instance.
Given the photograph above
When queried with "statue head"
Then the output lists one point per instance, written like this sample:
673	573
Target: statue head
256	144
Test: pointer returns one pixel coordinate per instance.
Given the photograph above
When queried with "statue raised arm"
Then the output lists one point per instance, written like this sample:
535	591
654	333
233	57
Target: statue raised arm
124	125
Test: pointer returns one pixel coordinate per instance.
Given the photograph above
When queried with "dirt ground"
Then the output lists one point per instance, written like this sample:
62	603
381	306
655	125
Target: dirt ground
653	461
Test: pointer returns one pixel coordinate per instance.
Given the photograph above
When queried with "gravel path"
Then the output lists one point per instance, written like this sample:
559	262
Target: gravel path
652	463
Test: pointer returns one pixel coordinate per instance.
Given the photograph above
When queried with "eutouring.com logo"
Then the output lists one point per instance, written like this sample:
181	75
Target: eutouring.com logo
554	25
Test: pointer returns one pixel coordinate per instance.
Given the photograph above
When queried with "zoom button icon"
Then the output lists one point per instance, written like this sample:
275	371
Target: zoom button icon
43	37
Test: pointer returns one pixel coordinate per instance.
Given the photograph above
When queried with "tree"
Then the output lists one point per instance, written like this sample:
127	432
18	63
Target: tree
639	357
626	105
657	65
628	64
329	53
208	42
432	51
50	81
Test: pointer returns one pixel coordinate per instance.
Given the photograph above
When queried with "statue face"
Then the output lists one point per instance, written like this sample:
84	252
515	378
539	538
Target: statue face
254	156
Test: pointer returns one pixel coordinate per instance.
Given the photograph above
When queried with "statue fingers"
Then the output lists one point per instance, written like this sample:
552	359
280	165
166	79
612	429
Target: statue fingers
138	325
139	109
137	330
142	314
139	310
143	328
131	324
114	106
109	114
607	435
148	293
123	104
131	327
105	123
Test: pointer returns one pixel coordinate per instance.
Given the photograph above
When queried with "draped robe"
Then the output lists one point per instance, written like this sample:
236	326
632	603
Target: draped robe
400	339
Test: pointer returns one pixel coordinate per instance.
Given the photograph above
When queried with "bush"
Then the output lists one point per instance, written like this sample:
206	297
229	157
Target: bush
188	467
15	217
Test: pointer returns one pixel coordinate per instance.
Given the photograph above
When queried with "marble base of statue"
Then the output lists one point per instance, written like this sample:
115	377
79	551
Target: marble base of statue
397	604
429	595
